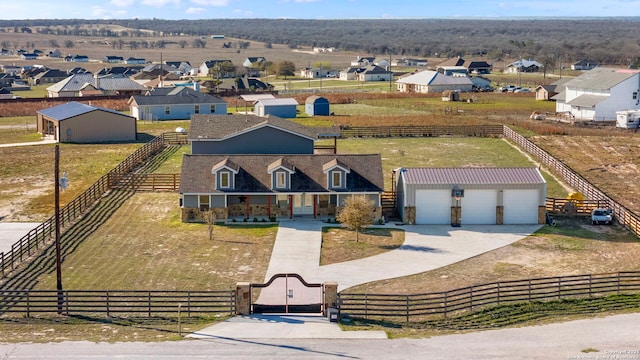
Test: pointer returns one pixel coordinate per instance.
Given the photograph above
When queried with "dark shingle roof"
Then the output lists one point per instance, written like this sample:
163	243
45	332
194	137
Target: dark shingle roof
218	127
461	176
365	173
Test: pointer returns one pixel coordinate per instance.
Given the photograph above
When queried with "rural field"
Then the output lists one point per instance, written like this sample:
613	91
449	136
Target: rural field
140	243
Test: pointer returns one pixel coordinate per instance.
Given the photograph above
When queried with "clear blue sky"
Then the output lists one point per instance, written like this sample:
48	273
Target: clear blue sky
311	9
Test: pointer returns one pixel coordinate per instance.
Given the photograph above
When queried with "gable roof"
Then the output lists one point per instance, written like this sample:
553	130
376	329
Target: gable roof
277	102
429	77
253	176
72	109
219	127
461	176
601	78
78	81
176	95
525	63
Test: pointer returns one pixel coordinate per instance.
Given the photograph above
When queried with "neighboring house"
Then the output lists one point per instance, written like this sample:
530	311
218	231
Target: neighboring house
547	92
5	93
28	56
599	93
276	186
453	70
119	70
373	73
135	60
6	80
182	67
54	53
76	58
317	106
50	76
471	196
80	123
253	65
250	134
206	67
11	69
363	61
481	84
584	65
113	59
176	103
284	107
432	81
315	73
472	66
348	74
87	84
244	83
523	65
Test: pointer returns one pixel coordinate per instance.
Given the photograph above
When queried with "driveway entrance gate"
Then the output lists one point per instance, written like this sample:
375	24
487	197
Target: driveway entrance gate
287	293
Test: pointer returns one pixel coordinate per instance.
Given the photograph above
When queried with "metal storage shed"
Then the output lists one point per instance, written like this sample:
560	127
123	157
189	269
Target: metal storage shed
317	106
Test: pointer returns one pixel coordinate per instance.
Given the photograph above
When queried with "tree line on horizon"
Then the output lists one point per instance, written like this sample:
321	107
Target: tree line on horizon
551	41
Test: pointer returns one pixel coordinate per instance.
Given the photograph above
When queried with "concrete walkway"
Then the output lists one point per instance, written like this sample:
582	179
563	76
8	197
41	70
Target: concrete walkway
41	142
297	250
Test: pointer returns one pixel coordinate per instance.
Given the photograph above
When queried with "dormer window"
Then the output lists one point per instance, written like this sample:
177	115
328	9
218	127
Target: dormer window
225	180
281	179
336	179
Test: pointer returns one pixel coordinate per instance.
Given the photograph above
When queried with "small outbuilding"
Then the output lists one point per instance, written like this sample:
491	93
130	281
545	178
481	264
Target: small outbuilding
284	108
76	122
471	196
317	106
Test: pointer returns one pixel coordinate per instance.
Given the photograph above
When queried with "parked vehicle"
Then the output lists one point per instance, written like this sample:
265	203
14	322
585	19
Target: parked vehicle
521	90
602	216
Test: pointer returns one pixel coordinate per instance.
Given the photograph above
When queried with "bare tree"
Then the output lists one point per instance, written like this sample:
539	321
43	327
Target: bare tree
356	214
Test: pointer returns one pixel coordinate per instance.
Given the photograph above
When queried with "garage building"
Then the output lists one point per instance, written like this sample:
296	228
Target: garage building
460	196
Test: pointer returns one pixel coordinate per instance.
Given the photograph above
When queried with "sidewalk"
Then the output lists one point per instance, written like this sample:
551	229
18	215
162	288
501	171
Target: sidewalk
42	142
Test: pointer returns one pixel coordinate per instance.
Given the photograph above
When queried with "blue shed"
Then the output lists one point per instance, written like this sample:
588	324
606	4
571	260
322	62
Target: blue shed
316	105
284	108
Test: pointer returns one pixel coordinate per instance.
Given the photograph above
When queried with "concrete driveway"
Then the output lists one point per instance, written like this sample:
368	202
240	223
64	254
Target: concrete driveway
10	232
426	247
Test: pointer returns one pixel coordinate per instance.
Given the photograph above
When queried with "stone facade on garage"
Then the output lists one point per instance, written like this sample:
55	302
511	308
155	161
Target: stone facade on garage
500	196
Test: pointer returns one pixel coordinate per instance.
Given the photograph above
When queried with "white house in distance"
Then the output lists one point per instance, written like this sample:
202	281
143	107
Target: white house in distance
432	81
597	94
523	65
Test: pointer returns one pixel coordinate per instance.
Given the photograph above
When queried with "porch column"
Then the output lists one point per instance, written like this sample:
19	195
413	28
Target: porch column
315	200
290	206
248	205
269	206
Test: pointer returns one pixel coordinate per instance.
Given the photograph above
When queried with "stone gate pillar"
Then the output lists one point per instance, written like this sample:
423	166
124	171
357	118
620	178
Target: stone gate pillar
243	298
330	296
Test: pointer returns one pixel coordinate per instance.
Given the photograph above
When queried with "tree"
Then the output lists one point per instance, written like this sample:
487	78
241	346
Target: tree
356	214
68	44
286	68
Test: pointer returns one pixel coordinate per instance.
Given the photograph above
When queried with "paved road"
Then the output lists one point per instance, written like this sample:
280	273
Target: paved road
615	337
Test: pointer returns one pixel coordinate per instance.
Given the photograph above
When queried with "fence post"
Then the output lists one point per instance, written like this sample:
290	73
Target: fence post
498	293
407	306
559	287
618	283
590	286
471	297
189	304
179	319
28	305
149	302
446	294
108	312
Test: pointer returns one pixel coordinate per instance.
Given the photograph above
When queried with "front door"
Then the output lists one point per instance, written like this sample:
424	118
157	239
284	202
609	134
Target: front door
303	204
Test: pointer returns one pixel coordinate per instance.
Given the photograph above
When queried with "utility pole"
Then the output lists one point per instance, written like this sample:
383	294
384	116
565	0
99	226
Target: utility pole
57	219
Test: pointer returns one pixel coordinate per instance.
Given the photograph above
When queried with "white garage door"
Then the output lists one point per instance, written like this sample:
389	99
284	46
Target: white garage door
433	207
479	207
520	206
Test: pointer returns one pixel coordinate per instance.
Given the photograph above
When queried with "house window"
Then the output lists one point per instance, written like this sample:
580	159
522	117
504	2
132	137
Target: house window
635	95
167	110
213	109
281	180
336	179
225	180
203	202
196	109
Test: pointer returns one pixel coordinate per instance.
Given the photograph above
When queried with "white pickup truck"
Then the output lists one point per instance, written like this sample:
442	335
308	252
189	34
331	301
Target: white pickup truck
602	216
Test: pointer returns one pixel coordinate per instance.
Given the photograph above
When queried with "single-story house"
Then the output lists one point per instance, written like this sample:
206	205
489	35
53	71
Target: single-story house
84	84
317	106
113	59
276	186
472	66
208	66
283	107
523	65
584	65
50	76
175	103
76	58
75	122
460	196
134	60
432	81
250	134
28	56
452	70
184	67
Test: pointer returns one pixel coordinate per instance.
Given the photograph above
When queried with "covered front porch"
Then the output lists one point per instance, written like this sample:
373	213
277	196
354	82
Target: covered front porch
268	207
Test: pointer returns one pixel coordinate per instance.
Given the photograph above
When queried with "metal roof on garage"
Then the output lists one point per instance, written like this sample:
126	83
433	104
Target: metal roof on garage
71	109
587	100
463	176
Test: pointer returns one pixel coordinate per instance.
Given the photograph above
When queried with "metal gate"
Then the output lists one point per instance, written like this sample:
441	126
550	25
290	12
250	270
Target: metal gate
287	293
